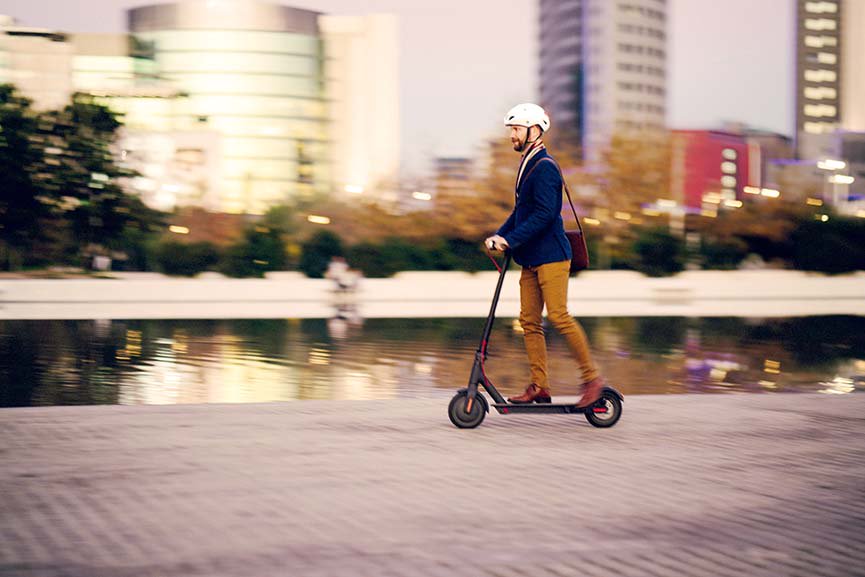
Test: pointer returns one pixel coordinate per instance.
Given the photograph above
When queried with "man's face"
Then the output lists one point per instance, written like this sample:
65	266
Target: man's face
518	136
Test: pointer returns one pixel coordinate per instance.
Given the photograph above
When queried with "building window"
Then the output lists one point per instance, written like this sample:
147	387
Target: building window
817	127
821	7
820	92
728	181
820	75
827	58
728	167
729	154
820	41
820	110
820	24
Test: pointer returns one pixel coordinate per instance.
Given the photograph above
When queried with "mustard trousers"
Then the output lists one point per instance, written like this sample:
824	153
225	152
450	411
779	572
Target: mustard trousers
547	284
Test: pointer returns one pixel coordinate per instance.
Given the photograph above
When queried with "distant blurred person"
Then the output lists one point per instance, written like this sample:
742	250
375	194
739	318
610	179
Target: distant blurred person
337	271
535	235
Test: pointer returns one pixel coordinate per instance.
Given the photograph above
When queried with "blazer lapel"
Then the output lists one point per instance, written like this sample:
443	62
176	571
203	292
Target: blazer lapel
528	168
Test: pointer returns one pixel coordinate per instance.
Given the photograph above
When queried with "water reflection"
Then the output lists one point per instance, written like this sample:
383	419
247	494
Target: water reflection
239	361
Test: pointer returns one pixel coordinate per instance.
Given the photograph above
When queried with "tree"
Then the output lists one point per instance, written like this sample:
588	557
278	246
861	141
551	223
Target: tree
80	171
261	249
659	253
22	209
60	185
637	171
317	252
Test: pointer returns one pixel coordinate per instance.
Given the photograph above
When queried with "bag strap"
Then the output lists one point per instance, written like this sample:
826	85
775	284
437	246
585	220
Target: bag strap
565	186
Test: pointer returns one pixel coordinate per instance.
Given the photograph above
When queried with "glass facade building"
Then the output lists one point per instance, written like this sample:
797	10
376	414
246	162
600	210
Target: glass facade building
253	73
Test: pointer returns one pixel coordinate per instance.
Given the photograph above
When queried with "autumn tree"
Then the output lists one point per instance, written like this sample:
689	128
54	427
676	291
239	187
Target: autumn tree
636	171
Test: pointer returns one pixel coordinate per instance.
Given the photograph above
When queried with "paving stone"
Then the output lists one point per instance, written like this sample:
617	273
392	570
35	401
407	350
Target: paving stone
703	485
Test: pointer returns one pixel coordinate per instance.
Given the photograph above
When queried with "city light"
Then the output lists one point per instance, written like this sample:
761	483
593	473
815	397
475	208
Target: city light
733	203
841	179
622	215
354	189
814	202
709	213
821	217
772	367
860	213
770	192
664	203
752	190
178	229
315	219
591	221
830	164
421	195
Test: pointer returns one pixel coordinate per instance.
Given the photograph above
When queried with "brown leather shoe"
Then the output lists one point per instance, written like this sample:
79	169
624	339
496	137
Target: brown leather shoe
591	392
533	394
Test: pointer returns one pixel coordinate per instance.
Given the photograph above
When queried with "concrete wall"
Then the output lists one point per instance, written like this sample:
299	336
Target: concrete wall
432	294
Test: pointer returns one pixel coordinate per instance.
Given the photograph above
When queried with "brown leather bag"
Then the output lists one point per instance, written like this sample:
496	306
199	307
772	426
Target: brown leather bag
579	251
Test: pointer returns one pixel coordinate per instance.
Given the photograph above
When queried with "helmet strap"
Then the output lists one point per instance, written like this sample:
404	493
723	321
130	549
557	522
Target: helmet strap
525	143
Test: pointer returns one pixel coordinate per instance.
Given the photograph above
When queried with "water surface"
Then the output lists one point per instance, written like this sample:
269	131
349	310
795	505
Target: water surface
237	361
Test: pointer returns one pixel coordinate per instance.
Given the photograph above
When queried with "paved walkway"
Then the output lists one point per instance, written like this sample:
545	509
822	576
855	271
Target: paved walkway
734	485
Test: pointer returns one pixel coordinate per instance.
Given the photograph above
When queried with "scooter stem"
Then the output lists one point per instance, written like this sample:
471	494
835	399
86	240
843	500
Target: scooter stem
491	317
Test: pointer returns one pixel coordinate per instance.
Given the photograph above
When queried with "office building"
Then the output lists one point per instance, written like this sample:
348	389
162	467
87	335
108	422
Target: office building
37	61
252	72
362	93
603	68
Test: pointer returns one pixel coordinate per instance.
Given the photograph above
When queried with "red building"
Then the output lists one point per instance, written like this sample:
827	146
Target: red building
711	168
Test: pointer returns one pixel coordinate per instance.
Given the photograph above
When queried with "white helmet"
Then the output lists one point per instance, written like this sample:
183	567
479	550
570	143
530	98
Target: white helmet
528	115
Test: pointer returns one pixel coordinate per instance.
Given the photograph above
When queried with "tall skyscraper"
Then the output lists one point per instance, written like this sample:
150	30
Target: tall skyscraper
603	67
830	96
818	74
853	66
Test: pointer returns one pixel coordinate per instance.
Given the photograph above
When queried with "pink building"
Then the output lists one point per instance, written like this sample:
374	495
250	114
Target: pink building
710	167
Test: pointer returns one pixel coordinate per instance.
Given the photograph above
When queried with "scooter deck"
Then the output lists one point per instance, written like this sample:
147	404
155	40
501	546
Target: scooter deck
556	408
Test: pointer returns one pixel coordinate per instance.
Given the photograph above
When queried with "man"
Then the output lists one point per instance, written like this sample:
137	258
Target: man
535	235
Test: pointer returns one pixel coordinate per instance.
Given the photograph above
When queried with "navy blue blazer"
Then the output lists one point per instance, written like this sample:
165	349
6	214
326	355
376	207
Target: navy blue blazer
534	230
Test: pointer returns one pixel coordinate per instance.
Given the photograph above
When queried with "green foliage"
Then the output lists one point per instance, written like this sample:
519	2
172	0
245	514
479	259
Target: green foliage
722	255
317	251
394	255
260	250
370	259
833	247
57	173
461	254
21	209
185	259
658	253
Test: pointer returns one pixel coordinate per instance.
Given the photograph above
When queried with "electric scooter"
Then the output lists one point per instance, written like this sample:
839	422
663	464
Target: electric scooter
468	407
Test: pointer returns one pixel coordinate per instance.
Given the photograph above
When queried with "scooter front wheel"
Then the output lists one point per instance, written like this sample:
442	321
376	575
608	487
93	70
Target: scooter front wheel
606	412
463	416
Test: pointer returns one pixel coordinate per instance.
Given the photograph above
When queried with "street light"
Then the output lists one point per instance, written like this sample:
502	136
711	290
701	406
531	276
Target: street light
830	164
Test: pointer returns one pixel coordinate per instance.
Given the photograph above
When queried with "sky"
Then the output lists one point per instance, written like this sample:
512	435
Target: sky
464	63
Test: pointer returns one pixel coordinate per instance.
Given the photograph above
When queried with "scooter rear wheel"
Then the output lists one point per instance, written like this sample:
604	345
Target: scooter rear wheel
466	419
606	412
